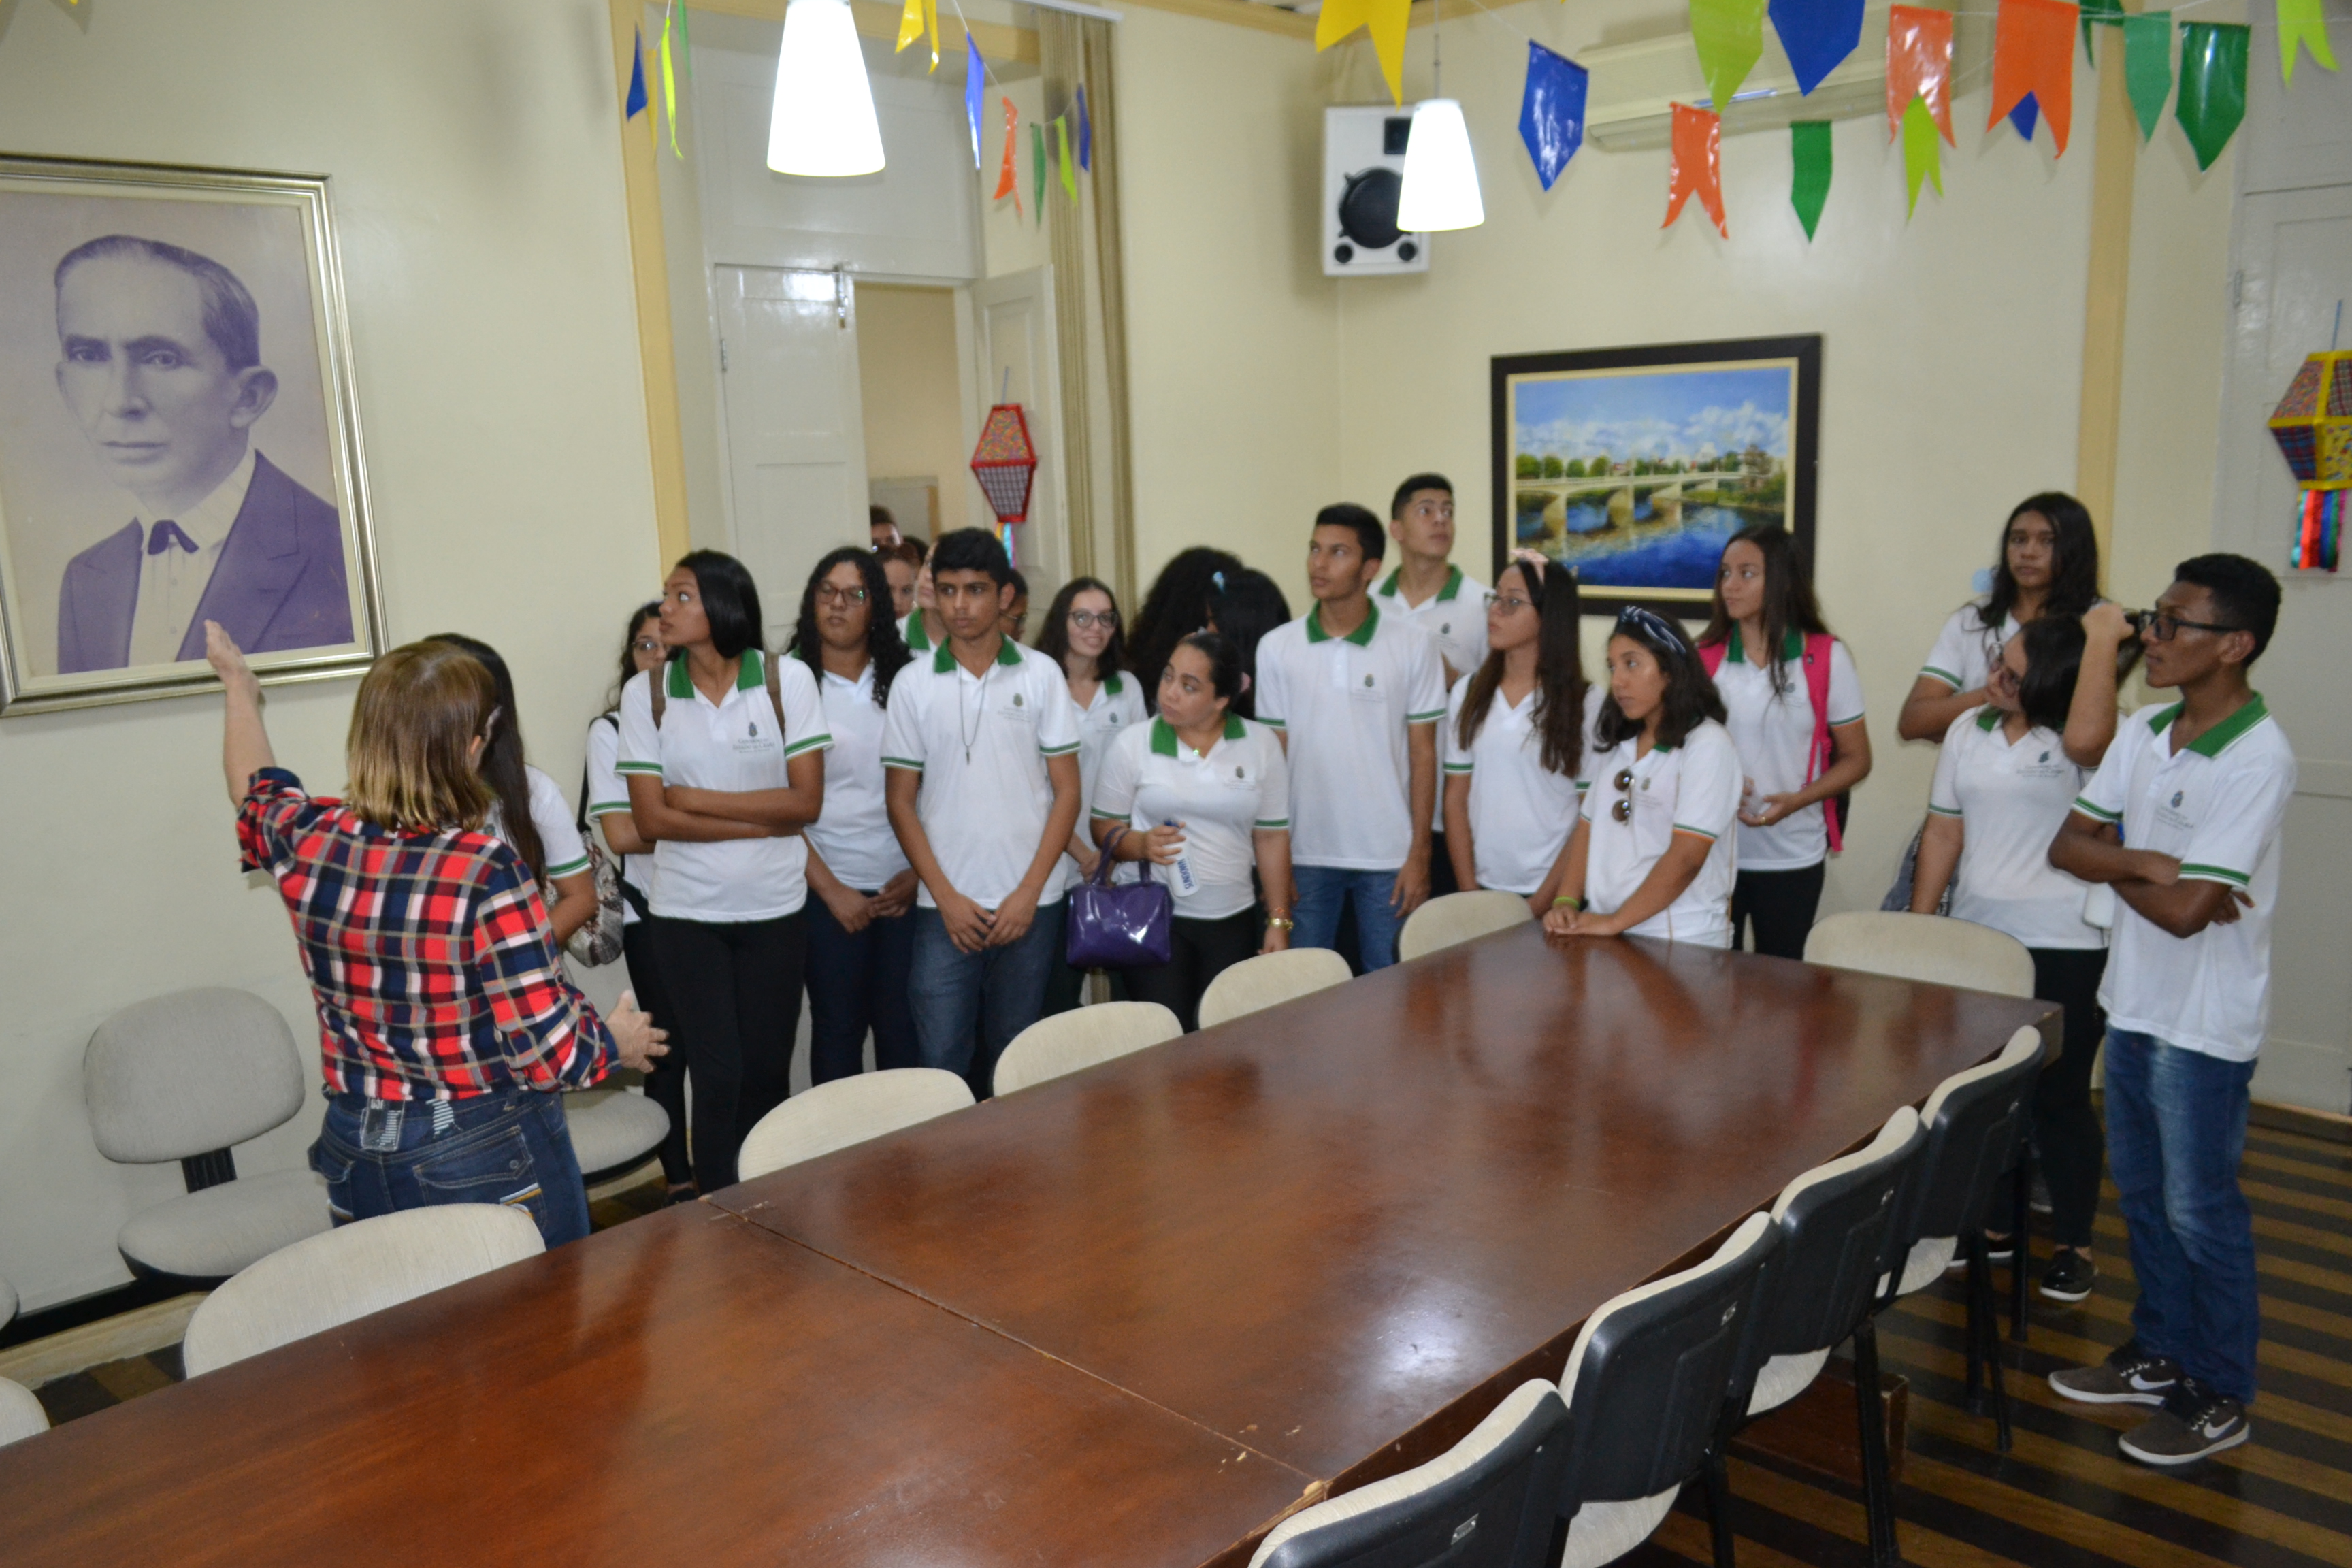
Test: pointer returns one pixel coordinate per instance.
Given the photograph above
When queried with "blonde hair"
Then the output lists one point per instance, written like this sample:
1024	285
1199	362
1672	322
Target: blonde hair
419	711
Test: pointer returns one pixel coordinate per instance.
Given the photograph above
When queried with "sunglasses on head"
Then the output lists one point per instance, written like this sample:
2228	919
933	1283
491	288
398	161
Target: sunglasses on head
1655	630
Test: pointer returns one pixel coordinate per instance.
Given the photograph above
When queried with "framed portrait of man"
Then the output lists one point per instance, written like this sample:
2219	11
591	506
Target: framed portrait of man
179	441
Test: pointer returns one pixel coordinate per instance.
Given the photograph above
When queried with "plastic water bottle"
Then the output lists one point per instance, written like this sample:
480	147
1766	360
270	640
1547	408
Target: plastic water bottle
1182	867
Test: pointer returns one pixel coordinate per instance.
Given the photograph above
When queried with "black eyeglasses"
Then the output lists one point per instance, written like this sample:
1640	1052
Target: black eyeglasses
2157	627
1087	620
1623	810
828	593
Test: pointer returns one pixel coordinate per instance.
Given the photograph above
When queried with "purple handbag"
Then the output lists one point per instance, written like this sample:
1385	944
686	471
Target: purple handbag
1123	927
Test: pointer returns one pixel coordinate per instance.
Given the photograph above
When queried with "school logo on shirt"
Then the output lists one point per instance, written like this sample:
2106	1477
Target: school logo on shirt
2176	799
1368	680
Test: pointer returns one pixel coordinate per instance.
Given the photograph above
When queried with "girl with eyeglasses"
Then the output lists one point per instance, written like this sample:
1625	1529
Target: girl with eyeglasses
1518	732
1081	635
861	942
1652	854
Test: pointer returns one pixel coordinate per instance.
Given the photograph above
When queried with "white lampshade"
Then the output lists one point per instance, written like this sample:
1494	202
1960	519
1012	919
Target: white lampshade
1441	177
824	120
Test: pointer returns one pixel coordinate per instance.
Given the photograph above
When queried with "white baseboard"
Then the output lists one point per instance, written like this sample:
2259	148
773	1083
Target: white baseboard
69	1351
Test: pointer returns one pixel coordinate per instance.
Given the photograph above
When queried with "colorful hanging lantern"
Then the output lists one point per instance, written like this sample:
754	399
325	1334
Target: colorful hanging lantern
1005	464
2313	425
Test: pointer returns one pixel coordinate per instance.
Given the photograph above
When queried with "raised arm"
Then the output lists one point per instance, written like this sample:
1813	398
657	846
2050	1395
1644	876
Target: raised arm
245	740
1932	706
2091	715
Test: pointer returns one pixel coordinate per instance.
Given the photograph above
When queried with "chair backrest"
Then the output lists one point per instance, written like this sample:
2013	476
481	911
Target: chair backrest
1931	948
1081	1037
187	1073
1268	979
845	1112
1836	1223
351	1271
1652	1370
21	1415
1974	1120
1460	916
1487	1502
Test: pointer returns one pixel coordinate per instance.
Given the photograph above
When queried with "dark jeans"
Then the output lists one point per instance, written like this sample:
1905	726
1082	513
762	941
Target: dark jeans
1198	952
2066	1135
1325	890
856	982
998	992
1780	905
665	1080
1440	865
2176	1132
735	988
511	1148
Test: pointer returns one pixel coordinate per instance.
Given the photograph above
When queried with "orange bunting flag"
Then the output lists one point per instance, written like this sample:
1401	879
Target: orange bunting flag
1919	65
1699	165
2034	52
1006	185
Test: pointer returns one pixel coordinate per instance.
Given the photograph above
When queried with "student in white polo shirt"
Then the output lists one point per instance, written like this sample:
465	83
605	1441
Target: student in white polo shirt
2004	784
922	629
1081	635
1797	758
861	924
1519	736
1202	785
2183	821
1653	853
981	753
725	764
1358	696
1427	589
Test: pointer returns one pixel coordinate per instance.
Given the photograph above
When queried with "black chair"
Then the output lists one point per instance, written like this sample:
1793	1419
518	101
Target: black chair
1647	1384
1487	1502
1837	1223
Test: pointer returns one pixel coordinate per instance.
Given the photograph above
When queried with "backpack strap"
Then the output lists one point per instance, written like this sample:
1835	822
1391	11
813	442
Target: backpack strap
1817	688
581	821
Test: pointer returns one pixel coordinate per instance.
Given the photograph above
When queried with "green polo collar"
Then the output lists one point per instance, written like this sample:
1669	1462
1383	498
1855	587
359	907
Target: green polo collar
944	659
1163	734
1452	583
1989	717
1361	636
918	640
2210	743
1110	684
750	676
1792	647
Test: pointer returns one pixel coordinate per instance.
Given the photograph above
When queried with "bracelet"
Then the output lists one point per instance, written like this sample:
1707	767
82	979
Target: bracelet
1564	900
1280	922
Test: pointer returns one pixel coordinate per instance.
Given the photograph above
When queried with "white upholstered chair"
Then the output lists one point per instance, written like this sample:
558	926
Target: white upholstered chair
1080	1038
186	1076
613	1130
1268	979
1460	916
358	1269
848	1111
1935	949
21	1415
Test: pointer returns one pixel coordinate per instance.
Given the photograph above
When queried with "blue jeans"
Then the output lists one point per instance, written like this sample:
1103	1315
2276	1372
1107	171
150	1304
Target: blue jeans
1323	889
2175	1131
512	1147
969	1006
856	982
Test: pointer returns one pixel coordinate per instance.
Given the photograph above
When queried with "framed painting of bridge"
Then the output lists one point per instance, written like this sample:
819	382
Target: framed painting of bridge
1634	466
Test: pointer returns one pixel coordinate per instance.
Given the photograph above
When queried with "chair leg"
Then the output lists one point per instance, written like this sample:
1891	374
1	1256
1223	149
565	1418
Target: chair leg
1973	1334
1877	1483
1718	1507
1992	1355
2021	1255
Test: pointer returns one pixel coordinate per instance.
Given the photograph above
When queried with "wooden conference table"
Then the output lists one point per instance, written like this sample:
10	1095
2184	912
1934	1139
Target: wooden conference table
1131	1316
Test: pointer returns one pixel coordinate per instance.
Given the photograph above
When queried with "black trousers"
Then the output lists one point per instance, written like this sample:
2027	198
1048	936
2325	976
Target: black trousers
736	989
2066	1131
1198	952
665	1080
1441	868
1780	905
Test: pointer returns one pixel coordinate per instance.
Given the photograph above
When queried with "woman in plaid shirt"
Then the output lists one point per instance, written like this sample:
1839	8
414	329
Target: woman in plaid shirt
446	1027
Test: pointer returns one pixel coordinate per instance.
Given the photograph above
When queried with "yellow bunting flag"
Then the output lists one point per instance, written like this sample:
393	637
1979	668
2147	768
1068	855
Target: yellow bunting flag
918	18
1069	170
669	82
1384	19
2300	21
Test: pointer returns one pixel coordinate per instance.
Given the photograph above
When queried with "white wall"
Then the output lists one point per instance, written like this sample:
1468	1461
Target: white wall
477	180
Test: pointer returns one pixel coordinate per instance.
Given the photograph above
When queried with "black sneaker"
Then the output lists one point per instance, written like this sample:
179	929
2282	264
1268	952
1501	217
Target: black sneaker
2039	1200
2193	1422
2129	1376
2069	1276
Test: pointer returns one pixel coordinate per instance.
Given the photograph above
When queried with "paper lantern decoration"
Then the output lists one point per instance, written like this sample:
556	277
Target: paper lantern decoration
1005	464
2313	424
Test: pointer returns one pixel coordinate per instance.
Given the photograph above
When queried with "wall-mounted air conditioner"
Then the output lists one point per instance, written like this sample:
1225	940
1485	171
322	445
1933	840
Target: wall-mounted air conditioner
1363	173
1636	87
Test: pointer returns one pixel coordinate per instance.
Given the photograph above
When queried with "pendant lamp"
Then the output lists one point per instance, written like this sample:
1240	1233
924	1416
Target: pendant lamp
1441	177
824	121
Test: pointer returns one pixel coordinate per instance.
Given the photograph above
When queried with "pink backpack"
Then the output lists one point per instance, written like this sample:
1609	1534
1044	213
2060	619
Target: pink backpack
1817	688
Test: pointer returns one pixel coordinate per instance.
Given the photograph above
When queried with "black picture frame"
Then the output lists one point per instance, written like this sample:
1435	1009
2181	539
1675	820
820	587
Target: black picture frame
1680	598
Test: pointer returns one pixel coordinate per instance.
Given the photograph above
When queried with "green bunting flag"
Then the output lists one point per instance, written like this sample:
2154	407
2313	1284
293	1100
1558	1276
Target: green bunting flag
1038	166
1069	173
2212	85
1919	163
1809	150
1730	36
2147	65
2300	21
2099	13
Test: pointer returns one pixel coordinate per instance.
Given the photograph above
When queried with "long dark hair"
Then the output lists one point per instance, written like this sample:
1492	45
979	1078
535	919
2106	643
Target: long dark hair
1244	605
883	647
1054	636
1690	697
1176	606
648	611
1788	602
502	758
1559	668
2074	567
731	601
2053	660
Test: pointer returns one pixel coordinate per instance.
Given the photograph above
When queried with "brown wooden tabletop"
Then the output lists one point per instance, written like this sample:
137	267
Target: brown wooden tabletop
682	1389
1338	1230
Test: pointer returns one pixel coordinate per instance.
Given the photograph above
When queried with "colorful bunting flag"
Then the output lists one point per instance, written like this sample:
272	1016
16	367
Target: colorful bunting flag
1817	36
1037	168
2034	52
1919	156
2147	65
669	81
921	16
1069	170
1698	166
2212	85
1551	111
1086	132
975	88
1384	19
2027	113
634	104
1729	34
2099	13
1808	188
2302	22
1919	66
1006	185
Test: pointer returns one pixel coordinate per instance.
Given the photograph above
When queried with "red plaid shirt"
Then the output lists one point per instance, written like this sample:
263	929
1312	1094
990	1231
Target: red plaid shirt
428	952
